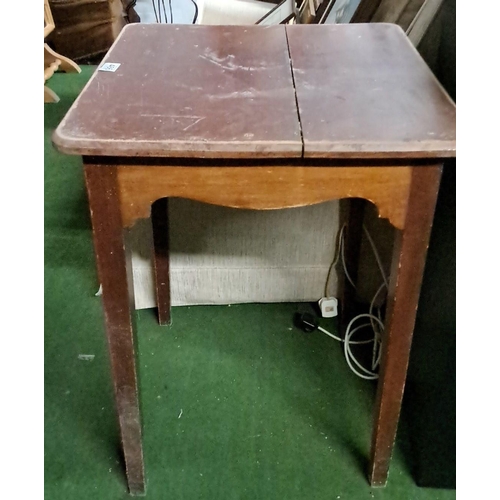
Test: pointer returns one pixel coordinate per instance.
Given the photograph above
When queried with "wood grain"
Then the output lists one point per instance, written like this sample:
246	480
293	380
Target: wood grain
115	276
263	188
407	270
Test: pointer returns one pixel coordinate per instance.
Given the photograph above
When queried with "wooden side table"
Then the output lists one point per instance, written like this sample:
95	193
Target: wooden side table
261	118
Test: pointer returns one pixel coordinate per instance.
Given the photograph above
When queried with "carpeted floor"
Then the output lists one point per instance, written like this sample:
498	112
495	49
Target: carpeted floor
237	403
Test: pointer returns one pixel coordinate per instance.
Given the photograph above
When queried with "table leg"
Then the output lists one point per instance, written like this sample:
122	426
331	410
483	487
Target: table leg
117	295
352	211
159	219
408	262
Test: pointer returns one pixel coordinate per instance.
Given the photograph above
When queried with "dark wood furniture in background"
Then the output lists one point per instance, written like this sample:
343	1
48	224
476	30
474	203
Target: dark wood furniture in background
261	118
86	29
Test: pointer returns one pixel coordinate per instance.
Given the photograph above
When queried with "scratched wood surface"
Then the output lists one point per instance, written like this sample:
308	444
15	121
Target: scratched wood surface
204	91
363	91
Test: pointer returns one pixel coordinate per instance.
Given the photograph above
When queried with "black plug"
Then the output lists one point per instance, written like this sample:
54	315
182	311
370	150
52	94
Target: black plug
306	321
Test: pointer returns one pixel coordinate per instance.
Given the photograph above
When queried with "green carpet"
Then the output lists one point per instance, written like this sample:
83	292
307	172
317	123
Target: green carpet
237	402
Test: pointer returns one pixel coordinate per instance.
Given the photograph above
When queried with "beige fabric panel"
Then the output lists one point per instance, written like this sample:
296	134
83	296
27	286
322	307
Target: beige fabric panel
222	256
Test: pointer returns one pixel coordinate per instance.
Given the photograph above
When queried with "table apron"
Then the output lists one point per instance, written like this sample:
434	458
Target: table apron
264	188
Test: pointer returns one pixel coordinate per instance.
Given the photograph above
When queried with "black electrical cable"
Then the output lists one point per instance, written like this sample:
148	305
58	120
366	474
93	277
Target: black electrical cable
154	8
195	12
164	10
158	5
171	14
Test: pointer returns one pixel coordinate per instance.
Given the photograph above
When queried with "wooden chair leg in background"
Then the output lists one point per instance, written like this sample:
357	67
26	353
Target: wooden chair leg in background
53	62
49	95
407	270
159	219
65	63
115	275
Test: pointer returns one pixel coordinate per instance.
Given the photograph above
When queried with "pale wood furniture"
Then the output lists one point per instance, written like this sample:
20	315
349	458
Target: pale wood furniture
265	118
52	60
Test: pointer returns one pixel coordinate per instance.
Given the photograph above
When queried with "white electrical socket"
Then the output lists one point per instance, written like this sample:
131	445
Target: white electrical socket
329	307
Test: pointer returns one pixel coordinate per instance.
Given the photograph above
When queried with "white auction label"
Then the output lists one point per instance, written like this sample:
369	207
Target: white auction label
109	67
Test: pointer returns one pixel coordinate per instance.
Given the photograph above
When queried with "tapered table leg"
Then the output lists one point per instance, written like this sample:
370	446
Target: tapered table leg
404	288
159	217
117	296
